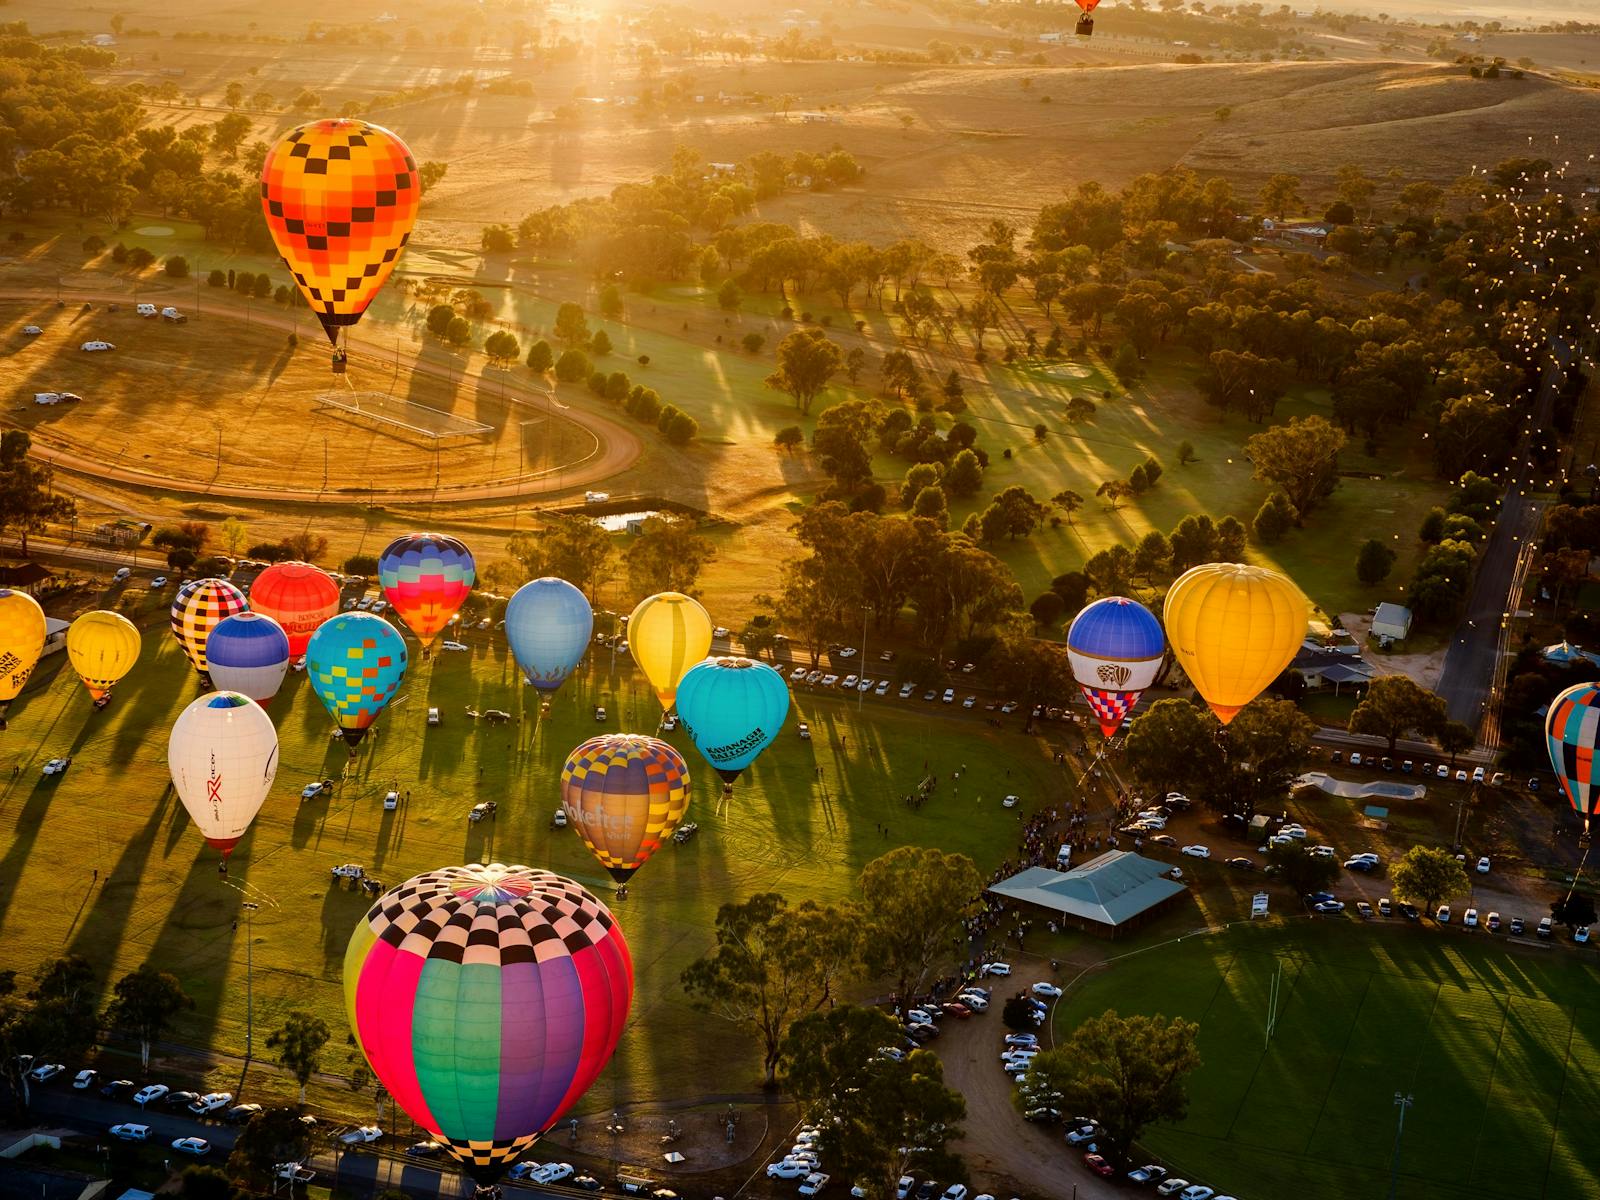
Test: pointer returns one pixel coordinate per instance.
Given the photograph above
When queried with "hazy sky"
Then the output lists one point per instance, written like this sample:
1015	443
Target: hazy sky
1528	12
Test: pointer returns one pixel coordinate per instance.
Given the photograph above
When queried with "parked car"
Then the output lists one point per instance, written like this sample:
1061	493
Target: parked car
424	1150
1483	865
1470	918
1492	922
996	968
1048	990
130	1132
805	731
1516	927
433	716
181	1099
1385	907
361	1135
813	1184
1149	1173
949	695
1547	927
1099	1165
149	1093
1580	935
85	1079
198	1147
117	1088
1328	907
1197	851
1364	909
240	1113
45	1072
96	345
1443	915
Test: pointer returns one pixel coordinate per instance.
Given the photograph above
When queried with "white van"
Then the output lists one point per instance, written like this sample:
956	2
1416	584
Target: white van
121	575
1064	857
171	314
145	310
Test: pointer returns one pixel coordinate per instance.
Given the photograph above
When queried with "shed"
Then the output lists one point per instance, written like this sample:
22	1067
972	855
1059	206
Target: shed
55	635
1391	621
25	577
1111	893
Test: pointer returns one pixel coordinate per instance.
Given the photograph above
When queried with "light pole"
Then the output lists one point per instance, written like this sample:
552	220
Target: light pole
1402	1101
249	969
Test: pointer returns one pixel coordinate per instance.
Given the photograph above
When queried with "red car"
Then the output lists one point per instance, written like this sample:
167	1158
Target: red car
956	1009
1099	1165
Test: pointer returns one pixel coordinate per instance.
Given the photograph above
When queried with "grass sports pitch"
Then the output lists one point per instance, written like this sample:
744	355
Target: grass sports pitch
1499	1051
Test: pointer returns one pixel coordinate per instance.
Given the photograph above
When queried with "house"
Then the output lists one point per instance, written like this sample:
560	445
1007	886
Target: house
1110	894
1320	666
1392	621
25	577
1049	37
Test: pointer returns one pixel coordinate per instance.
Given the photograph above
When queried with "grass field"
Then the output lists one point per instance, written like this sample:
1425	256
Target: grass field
1500	1051
159	898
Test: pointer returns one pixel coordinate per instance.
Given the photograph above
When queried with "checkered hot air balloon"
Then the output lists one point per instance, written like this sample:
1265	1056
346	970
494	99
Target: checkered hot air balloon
1115	646
355	663
625	794
340	197
486	1000
1571	733
425	578
199	607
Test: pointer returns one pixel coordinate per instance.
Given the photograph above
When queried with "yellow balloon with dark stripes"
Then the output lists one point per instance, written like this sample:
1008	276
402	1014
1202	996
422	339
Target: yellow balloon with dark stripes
625	794
668	633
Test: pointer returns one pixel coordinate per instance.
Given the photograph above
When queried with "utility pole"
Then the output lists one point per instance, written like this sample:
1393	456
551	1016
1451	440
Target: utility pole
1402	1101
249	968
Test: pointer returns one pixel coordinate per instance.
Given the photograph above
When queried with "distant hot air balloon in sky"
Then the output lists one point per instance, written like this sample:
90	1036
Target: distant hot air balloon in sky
22	633
732	708
102	646
355	662
425	578
625	794
1234	628
1571	734
248	653
1115	646
298	596
486	1000
667	634
548	624
223	754
340	197
199	605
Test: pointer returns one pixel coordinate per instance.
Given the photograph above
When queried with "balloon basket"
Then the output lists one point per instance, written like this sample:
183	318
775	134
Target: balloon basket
1085	26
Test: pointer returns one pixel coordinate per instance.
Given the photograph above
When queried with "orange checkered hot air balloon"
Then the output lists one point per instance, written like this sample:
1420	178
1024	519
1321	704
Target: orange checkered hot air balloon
340	198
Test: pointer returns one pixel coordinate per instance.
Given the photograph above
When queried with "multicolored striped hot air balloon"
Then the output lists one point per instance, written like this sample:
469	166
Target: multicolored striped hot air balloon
667	634
1115	646
299	597
426	577
1571	734
548	625
248	653
625	794
355	661
197	609
486	1000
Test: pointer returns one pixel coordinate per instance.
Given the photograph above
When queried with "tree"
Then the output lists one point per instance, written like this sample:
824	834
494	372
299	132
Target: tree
1079	410
1273	519
806	361
682	429
1114	492
497	239
205	1183
1172	746
1110	570
1301	458
1280	193
299	1045
729	296
571	326
272	1136
1374	561
27	502
235	537
578	551
771	965
439	318
1047	609
930	504
459	332
600	343
305	545
1301	871
752	343
789	439
1455	737
611	302
1152	558
1067	501
955	395
502	347
1426	875
176	266
233	94
540	357
1130	1072
666	556
964	476
883	1116
146	1000
909	904
572	366
1013	513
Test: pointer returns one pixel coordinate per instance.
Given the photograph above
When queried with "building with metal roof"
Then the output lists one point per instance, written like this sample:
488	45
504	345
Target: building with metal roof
1108	895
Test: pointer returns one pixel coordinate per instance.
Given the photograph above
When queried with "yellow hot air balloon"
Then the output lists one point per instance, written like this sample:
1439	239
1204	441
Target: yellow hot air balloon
21	642
103	647
1234	628
667	634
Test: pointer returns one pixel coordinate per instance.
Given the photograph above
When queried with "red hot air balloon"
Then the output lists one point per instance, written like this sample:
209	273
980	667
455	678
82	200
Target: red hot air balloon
297	596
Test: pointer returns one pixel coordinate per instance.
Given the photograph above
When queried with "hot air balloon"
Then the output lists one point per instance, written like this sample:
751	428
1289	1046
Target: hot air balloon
22	633
1115	647
1086	22
486	1000
548	623
1571	732
248	653
340	198
298	597
197	608
625	794
1234	628
223	754
103	646
667	634
425	578
355	661
732	708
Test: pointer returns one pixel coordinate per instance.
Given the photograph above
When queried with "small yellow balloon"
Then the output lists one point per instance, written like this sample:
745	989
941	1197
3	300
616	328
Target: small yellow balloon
103	647
21	641
667	634
1234	628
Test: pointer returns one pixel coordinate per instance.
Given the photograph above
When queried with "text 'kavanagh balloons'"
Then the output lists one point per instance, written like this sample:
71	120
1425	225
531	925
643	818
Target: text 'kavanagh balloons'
732	708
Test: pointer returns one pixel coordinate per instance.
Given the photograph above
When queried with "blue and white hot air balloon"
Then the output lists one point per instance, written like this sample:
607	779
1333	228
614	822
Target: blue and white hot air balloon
1115	646
548	624
248	653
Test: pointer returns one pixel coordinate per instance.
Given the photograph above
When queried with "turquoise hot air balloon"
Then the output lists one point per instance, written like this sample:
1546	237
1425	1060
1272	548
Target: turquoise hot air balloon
356	662
732	708
548	623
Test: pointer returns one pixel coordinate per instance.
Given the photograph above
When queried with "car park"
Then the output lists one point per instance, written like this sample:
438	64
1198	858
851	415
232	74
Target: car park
198	1147
131	1132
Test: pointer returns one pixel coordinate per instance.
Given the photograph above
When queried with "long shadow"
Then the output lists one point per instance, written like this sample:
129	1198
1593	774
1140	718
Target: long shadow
195	941
342	907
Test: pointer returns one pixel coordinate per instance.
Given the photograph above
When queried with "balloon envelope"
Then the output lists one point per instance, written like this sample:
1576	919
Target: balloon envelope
1234	628
102	646
667	634
486	1000
340	198
199	605
1571	732
426	577
355	661
625	794
1115	646
248	653
548	624
223	754
732	708
298	597
22	634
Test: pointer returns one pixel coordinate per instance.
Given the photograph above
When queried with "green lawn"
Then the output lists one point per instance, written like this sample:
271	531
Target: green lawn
159	897
1500	1051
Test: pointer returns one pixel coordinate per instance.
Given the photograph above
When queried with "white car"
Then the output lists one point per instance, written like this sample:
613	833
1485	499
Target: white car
1443	772
433	716
1470	917
973	1001
949	695
1443	915
1010	802
814	1183
32	330
85	1079
787	1170
149	1094
1483	865
829	680
721	631
1171	1187
45	1072
313	790
361	1135
159	582
1197	851
906	689
391	801
198	1147
1461	776
1197	1191
845	652
903	1186
956	1191
849	682
796	675
997	968
882	689
458	647
1082	1134
129	1132
1048	990
559	818
55	766
171	314
94	346
969	702
804	730
211	1102
551	1172
145	310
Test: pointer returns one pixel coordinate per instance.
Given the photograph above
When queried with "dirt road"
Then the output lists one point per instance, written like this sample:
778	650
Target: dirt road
617	447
